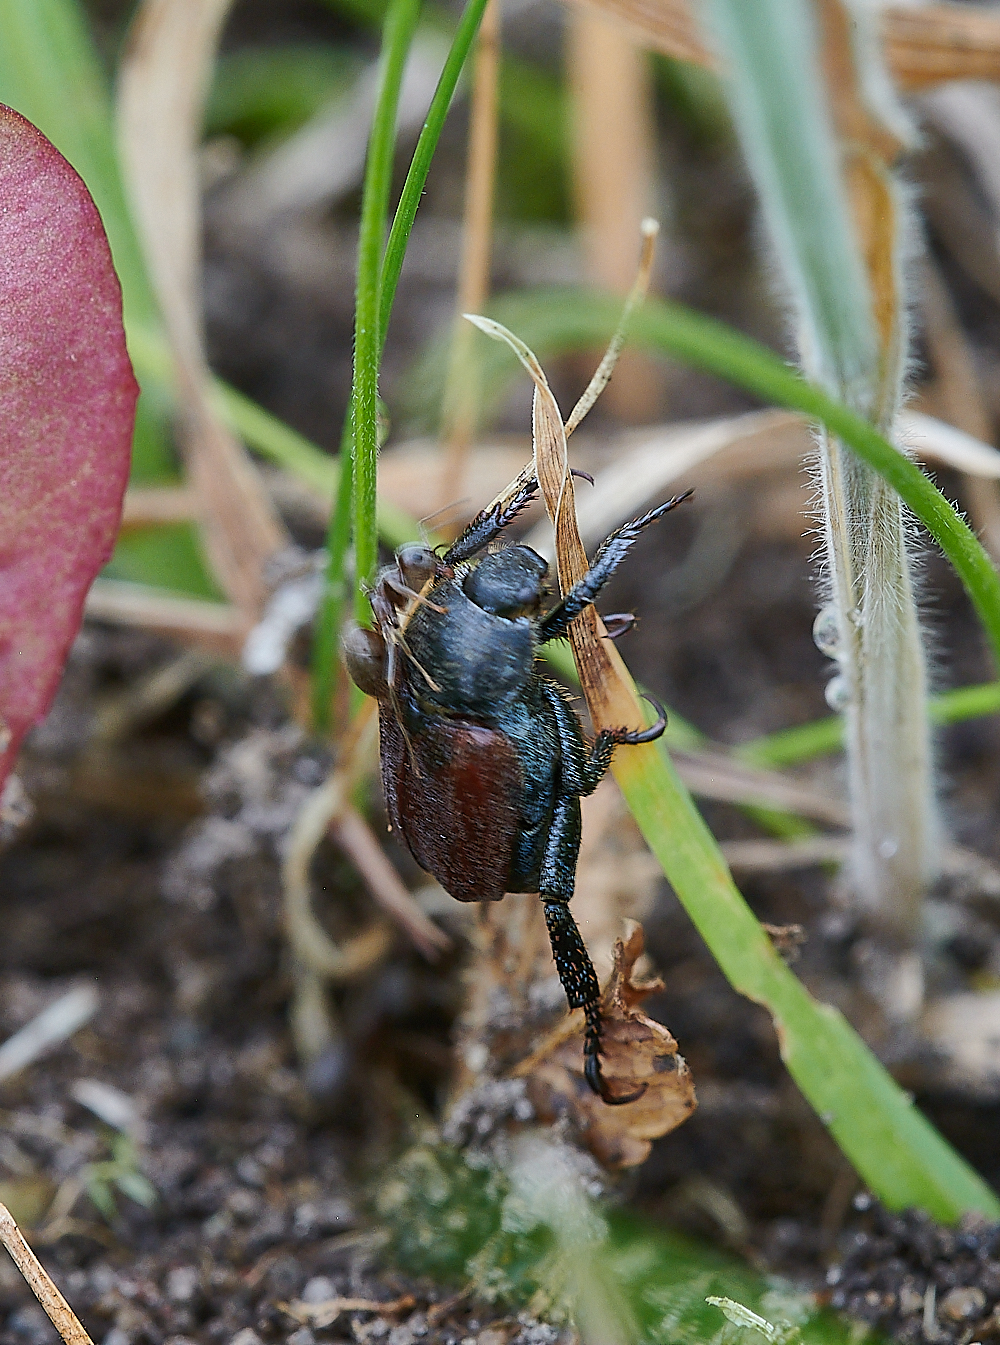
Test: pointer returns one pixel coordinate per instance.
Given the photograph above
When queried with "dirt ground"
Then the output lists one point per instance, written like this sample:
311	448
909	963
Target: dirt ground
261	1169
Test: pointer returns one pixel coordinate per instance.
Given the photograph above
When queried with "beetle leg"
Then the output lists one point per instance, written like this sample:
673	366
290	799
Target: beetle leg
569	952
491	521
617	624
613	551
581	771
404	591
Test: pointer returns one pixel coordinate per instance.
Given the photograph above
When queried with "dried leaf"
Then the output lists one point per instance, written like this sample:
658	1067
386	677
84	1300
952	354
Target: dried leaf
164	80
636	1050
69	403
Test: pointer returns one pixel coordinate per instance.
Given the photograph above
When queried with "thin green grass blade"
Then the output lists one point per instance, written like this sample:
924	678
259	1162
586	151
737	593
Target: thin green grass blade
416	178
788	747
355	505
377	277
400	25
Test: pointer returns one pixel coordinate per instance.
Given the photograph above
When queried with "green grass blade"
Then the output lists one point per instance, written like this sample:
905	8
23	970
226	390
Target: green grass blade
355	505
710	345
788	747
894	1149
400	24
413	187
377	279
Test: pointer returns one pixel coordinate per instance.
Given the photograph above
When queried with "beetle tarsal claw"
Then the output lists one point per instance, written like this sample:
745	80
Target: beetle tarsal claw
633	737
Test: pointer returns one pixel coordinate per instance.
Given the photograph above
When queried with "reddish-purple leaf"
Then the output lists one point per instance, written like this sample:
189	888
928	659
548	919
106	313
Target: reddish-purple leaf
67	405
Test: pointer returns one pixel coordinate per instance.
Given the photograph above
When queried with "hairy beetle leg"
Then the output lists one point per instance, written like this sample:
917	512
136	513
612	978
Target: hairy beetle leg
632	737
579	980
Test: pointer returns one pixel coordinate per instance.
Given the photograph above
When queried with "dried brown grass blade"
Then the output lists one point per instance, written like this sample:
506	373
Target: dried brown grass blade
162	90
147	506
649	230
924	44
713	775
58	1311
324	1314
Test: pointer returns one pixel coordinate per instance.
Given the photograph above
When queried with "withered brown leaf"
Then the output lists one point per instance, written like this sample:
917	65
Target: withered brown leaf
636	1050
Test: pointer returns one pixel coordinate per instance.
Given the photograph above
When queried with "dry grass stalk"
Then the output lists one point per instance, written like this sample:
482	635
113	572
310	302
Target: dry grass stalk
163	85
613	175
319	958
924	45
147	506
461	397
212	626
58	1311
324	1314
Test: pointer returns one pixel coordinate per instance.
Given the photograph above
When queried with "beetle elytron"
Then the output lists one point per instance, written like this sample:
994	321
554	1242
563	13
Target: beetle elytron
484	761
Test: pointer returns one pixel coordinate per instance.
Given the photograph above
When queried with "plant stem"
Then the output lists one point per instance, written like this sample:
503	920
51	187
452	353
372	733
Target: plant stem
413	187
359	440
400	24
821	157
376	292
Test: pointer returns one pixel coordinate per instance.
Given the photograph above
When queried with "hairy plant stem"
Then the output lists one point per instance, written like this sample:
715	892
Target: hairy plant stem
833	213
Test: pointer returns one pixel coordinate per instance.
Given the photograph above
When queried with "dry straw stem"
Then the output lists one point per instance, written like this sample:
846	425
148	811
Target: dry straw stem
213	626
58	1311
163	85
614	175
461	397
328	809
923	45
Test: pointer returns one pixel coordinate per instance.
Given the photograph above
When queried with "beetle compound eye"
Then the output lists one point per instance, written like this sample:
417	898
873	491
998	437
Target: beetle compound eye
364	655
417	564
508	583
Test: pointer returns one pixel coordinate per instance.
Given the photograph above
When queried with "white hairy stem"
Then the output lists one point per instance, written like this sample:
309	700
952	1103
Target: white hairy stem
870	624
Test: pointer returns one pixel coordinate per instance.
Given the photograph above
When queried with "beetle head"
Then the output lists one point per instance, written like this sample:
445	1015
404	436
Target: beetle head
508	583
417	564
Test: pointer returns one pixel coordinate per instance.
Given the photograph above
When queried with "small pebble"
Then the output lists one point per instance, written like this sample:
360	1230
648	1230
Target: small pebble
182	1284
248	1336
319	1290
962	1304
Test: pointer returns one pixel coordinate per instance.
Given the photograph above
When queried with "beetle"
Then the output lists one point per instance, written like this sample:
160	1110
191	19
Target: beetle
484	761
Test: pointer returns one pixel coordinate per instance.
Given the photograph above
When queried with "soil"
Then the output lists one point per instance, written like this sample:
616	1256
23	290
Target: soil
261	1168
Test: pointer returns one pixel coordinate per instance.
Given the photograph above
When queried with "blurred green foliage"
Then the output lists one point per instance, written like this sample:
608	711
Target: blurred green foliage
457	1219
259	93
